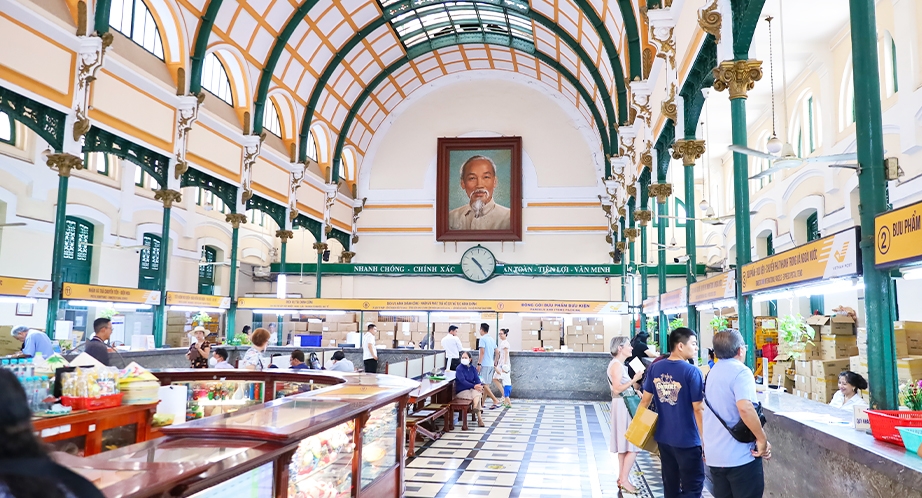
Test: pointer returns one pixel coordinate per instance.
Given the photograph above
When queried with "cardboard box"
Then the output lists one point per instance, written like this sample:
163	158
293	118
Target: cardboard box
838	346
347	327
596	338
576	329
829	369
803	382
315	327
576	339
531	335
804	368
404	335
593	348
550	335
441	326
909	369
529	345
551	324
594	329
594	321
824	391
551	344
832	325
369	317
531	324
418	337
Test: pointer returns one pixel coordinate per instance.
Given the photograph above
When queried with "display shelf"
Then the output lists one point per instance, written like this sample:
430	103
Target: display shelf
205	398
322	465
379	448
88	433
289	388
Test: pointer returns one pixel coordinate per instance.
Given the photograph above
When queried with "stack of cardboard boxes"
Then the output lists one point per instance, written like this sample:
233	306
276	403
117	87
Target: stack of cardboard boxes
333	329
817	371
586	335
8	343
541	333
467	332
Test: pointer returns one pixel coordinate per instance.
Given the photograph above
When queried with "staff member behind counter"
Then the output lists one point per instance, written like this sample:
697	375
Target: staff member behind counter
96	347
33	341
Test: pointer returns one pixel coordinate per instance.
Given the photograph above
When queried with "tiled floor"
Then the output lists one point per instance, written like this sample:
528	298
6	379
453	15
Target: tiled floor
534	450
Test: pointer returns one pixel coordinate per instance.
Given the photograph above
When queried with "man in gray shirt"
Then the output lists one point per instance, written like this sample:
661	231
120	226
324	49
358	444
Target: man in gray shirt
341	364
96	347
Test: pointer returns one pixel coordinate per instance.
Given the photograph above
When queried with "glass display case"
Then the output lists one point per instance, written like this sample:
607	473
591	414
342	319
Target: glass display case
290	388
379	443
205	398
321	466
256	483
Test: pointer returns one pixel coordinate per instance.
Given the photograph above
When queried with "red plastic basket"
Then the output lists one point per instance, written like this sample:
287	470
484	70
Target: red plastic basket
885	422
110	401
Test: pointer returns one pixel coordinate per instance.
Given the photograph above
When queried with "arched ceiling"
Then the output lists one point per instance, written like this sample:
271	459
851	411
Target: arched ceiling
326	53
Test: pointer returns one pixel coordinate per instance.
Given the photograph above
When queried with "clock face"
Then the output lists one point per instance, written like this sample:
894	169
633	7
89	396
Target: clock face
478	264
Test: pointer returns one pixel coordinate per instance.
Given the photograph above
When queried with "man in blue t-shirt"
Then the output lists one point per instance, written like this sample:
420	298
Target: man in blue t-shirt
675	388
485	362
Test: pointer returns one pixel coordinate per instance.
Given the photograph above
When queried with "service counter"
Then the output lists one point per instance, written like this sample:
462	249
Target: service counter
342	439
815	458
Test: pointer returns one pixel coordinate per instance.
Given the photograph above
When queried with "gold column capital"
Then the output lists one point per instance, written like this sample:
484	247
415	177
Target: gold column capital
632	189
631	233
643	216
669	107
236	220
63	163
320	247
347	256
661	191
688	151
168	197
737	76
285	235
622	246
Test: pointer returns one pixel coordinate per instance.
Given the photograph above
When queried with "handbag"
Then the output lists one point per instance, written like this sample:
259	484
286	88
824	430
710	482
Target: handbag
631	401
740	431
641	429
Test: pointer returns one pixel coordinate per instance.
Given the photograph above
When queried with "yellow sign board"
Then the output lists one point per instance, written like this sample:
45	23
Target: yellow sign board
202	300
829	257
21	287
673	299
898	236
651	305
722	286
552	307
109	294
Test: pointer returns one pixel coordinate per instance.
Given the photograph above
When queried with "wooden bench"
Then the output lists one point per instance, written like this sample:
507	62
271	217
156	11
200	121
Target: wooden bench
457	405
429	413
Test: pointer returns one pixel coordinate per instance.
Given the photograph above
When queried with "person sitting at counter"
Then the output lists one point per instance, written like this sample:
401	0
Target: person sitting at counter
96	347
849	393
297	360
341	364
469	386
199	350
253	359
220	354
34	341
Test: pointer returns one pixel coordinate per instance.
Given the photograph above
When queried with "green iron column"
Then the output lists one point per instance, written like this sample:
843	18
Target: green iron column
284	236
689	150
235	220
168	197
662	208
644	284
320	247
63	164
872	195
739	76
633	261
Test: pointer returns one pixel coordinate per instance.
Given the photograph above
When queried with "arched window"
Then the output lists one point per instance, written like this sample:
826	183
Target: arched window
271	120
347	165
206	271
143	180
78	253
770	251
149	266
7	129
100	162
257	217
680	213
847	100
215	80
806	127
888	65
311	146
209	201
817	303
133	19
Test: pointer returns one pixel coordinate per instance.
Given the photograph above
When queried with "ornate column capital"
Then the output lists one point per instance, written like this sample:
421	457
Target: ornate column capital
320	247
285	235
643	216
710	20
631	233
688	151
347	256
669	107
236	220
168	197
186	116
63	163
661	191
737	76
621	246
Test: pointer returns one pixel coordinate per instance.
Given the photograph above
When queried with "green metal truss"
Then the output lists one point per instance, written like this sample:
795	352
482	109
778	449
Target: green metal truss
153	163
341	236
201	45
46	122
101	21
663	143
613	58
746	14
635	60
225	191
452	40
311	225
700	76
347	123
275	211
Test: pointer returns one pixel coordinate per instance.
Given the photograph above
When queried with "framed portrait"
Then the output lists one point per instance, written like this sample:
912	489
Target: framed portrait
479	189
24	309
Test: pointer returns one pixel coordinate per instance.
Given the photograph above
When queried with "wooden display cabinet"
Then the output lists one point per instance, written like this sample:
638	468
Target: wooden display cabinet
88	433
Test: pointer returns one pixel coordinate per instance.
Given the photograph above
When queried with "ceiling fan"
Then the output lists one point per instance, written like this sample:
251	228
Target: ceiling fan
118	238
6	225
203	262
781	154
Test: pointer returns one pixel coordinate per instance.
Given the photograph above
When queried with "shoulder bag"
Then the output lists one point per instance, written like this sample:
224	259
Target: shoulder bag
740	431
630	397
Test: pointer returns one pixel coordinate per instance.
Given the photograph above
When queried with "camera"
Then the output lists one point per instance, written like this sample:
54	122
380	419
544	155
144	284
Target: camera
681	259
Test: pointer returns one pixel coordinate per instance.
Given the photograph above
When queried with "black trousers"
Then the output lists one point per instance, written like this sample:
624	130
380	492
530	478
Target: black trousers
683	471
454	364
371	366
745	481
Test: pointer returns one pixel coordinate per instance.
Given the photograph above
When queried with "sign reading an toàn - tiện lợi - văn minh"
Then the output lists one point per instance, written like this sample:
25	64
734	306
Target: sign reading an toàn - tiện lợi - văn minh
898	236
521	306
23	287
830	257
719	287
109	294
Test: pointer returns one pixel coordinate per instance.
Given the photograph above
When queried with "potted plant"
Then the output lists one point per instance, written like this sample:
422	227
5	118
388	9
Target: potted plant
911	395
719	323
676	323
201	319
794	335
651	325
107	313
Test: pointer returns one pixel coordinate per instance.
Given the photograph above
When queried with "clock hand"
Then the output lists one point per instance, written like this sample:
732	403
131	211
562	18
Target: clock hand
478	266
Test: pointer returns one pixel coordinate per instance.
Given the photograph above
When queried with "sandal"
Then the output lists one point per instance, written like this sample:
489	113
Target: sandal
495	406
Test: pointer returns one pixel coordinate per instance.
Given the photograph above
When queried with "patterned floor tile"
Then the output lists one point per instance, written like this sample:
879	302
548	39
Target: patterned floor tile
505	446
424	475
494	466
422	489
487	478
514	456
464	490
454	444
435	463
433	452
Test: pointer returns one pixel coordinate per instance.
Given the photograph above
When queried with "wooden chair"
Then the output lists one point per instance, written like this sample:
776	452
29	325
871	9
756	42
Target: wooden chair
463	406
415	428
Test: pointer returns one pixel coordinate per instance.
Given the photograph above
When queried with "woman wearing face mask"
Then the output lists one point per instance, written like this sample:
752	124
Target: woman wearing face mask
468	385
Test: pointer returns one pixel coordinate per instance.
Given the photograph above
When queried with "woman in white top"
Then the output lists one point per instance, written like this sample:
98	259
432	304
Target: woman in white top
849	394
621	384
253	359
502	372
